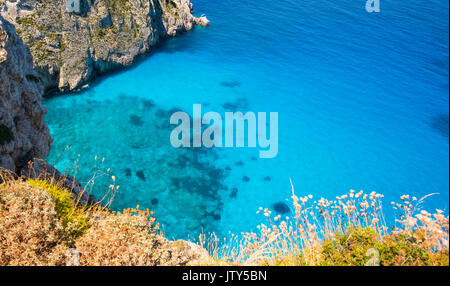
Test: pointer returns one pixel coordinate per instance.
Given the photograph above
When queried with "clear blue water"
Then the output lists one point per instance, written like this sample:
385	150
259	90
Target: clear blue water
362	99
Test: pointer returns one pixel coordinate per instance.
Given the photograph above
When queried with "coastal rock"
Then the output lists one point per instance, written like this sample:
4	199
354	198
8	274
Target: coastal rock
39	169
188	253
23	133
69	48
202	21
281	208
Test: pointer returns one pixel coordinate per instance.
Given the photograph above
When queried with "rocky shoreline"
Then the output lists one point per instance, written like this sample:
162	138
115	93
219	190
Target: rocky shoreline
70	48
45	45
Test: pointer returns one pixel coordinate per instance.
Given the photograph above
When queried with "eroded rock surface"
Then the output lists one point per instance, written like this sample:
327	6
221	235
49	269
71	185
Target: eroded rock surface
23	133
70	48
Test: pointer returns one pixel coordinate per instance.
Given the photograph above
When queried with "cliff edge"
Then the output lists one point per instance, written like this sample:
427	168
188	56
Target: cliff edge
23	133
73	40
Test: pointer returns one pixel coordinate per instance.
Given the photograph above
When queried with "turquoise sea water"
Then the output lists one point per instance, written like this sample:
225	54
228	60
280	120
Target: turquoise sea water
362	100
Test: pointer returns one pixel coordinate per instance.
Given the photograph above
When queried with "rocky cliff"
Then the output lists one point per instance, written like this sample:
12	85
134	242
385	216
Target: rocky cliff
23	133
73	40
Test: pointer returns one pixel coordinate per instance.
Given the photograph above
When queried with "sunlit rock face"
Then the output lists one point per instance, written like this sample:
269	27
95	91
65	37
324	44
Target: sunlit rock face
72	43
23	133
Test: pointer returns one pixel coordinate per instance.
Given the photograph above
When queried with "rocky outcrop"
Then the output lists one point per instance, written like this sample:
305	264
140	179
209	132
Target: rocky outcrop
23	133
39	169
188	253
70	45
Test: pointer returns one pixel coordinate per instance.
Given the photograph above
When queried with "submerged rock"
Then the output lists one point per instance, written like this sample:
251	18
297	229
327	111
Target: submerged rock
441	124
231	84
136	120
281	208
148	104
140	175
234	192
240	104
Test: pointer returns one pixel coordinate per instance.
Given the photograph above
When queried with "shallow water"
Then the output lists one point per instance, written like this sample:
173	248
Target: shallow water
362	101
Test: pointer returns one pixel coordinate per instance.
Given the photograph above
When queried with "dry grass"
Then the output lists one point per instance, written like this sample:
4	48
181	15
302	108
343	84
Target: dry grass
40	222
127	238
31	233
344	231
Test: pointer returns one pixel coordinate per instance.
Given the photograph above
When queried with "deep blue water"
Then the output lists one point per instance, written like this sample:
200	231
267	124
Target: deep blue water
362	99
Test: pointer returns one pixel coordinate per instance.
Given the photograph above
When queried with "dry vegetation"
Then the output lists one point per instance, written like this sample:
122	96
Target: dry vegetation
350	230
41	224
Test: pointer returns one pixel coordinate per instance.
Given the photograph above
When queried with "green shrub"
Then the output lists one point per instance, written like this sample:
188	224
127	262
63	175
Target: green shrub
349	248
73	217
402	249
406	249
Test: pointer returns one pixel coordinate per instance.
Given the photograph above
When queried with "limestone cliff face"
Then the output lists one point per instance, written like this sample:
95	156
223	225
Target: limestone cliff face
69	48
23	133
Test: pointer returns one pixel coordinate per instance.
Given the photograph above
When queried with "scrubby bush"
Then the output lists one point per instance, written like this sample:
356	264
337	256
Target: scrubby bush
128	238
39	223
31	232
358	245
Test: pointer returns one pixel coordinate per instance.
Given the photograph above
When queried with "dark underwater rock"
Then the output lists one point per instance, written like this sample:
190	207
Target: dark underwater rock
441	124
245	179
240	104
234	192
267	179
136	120
281	208
231	84
140	175
148	104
